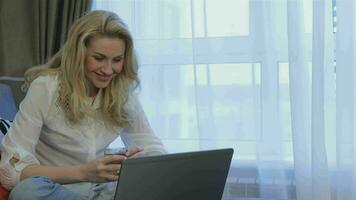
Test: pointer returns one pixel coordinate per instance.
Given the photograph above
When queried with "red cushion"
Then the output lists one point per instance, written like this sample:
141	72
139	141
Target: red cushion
4	194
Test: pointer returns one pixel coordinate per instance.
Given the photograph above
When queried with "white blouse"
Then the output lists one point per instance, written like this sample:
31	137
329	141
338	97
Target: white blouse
41	135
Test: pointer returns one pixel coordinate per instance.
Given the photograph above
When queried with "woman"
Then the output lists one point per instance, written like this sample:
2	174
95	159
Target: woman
75	106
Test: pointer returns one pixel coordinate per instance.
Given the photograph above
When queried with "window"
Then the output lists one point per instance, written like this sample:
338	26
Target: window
201	65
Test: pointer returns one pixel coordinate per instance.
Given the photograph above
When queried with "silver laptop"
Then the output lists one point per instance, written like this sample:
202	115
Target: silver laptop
183	176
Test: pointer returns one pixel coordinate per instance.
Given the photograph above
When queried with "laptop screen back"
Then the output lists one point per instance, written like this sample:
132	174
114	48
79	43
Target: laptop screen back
183	176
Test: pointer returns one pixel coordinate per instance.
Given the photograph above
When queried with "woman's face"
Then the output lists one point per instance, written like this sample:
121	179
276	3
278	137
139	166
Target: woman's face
104	59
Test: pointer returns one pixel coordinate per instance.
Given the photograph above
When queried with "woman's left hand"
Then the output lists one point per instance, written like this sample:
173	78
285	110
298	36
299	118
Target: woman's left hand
133	151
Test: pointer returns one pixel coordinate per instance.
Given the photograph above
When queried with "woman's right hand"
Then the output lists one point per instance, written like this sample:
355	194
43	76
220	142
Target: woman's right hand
103	169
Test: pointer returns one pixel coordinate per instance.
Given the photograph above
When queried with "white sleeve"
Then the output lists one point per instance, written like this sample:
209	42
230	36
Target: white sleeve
139	133
22	138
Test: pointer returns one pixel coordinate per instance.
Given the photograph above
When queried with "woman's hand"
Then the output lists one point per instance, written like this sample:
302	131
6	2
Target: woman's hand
103	169
132	152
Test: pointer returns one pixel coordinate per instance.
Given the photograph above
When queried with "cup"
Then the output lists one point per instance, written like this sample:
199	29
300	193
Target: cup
115	151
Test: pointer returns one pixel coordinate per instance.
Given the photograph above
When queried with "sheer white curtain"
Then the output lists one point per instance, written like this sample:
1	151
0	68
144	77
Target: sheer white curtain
323	114
269	78
312	99
345	140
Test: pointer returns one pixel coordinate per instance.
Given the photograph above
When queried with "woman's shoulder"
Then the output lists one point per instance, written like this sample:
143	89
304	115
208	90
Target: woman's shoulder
50	81
44	86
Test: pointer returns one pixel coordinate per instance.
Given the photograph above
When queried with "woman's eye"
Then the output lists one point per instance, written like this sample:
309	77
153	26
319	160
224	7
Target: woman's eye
117	60
98	58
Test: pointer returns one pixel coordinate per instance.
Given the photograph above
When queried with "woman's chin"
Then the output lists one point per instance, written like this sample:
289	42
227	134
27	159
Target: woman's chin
102	84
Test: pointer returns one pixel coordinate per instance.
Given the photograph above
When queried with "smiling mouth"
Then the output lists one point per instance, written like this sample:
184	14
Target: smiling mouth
103	77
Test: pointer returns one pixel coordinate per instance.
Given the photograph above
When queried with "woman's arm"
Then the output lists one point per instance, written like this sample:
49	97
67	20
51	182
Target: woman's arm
63	175
18	145
100	170
139	132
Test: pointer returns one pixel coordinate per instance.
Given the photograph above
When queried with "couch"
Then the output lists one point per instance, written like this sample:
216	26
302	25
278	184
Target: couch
8	110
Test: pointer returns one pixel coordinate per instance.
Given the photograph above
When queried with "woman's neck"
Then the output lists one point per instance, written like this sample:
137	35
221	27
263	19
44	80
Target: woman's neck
93	91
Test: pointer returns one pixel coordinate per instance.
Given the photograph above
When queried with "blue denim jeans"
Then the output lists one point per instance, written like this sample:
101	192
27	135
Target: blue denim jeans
39	187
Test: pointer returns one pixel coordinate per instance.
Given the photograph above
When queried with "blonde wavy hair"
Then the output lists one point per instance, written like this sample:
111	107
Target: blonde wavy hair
68	64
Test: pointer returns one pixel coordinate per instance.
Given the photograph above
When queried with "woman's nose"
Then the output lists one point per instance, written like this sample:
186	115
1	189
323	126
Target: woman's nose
107	68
